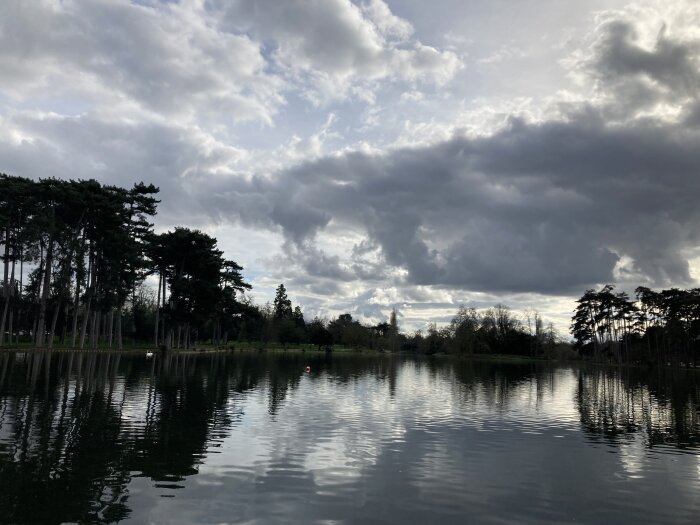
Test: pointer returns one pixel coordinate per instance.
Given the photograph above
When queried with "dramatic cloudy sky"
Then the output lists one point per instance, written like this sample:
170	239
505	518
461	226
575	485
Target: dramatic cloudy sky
381	153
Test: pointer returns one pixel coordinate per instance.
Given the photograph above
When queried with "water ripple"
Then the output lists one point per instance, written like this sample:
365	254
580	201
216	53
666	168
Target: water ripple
249	438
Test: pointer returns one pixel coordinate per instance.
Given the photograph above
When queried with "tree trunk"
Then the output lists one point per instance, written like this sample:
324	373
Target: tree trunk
39	288
119	328
21	272
162	324
10	328
41	323
133	317
111	328
90	285
5	282
155	335
86	317
76	301
76	307
7	257
98	327
19	290
64	330
8	291
5	309
53	324
93	330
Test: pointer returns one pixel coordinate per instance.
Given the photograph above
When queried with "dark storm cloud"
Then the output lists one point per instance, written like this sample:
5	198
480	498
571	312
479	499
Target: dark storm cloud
317	263
299	220
671	64
633	76
547	207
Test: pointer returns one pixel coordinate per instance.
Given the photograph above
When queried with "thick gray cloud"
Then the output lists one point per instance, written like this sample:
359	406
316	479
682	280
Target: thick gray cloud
547	207
670	64
551	206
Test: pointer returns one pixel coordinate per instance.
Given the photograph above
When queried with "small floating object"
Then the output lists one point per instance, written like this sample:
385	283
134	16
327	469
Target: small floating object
149	355
308	369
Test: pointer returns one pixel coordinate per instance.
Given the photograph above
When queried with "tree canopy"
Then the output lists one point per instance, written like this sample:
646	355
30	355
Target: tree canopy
654	327
87	248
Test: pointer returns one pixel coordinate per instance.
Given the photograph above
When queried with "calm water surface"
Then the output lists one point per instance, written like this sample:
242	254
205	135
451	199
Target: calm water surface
253	438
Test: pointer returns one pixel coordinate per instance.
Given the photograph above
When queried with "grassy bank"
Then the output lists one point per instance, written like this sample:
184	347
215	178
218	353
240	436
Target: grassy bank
255	347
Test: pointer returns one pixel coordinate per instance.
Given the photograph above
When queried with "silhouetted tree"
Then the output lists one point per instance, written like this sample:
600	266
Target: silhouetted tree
662	327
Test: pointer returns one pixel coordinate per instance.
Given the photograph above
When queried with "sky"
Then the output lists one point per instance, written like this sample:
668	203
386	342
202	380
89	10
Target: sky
373	154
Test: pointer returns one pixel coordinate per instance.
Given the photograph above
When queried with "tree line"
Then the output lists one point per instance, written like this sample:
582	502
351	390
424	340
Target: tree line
654	327
470	332
494	330
76	253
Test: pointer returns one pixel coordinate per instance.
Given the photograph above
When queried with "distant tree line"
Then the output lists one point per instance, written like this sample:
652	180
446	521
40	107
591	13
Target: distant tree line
655	327
471	332
282	323
495	330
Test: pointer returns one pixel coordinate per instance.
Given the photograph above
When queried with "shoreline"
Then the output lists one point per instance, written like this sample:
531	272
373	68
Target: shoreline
201	351
275	350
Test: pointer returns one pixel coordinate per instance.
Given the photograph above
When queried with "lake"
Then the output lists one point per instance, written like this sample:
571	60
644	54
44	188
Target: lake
256	438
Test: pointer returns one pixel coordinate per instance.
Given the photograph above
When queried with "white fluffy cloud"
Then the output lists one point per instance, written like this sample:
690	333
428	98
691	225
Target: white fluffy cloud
168	59
335	48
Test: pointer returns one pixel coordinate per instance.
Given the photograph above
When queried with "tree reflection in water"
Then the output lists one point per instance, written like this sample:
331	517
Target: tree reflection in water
661	404
77	428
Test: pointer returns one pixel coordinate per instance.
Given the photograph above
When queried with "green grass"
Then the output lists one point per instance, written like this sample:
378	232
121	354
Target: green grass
510	358
204	346
247	346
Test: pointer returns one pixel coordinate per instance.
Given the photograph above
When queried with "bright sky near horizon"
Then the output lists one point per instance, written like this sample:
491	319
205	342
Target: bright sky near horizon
376	154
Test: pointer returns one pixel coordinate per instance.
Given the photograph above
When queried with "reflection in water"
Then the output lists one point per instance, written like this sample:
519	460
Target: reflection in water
245	437
662	405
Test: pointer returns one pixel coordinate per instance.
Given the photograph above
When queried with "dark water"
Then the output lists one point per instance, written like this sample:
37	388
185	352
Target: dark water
250	438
